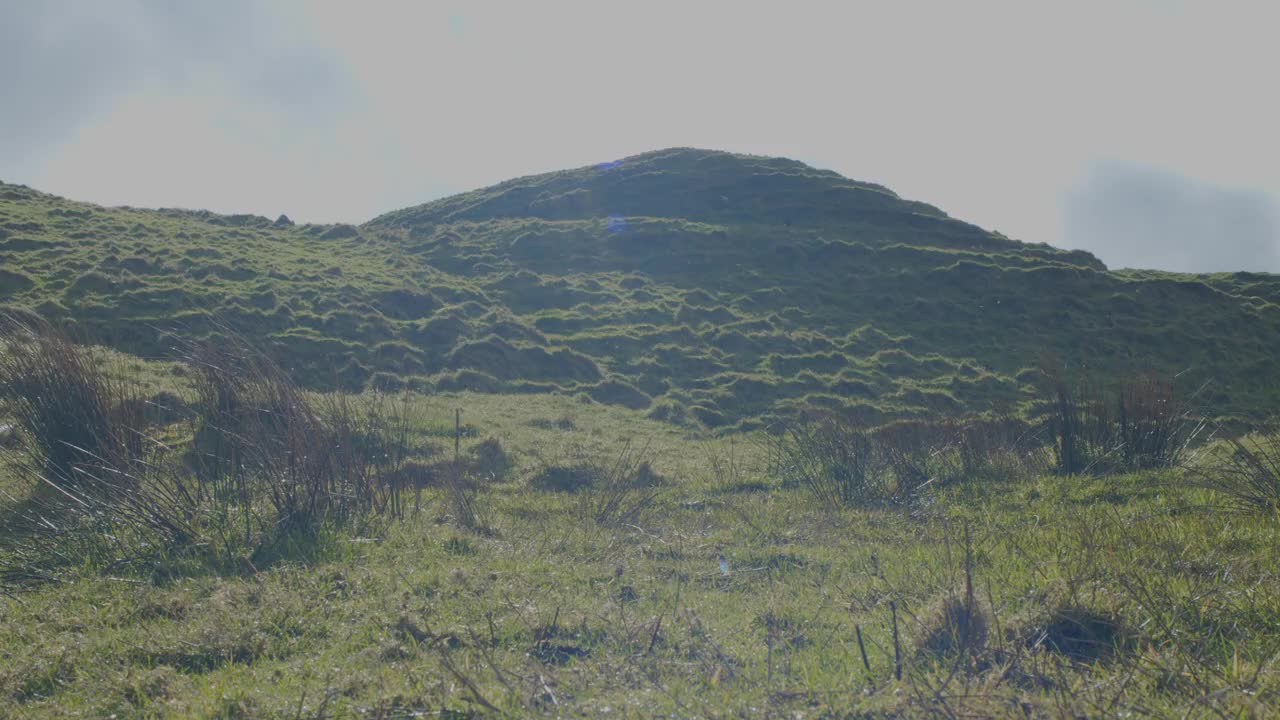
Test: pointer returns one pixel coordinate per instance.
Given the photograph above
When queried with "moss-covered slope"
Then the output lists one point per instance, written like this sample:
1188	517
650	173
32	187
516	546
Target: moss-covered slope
705	286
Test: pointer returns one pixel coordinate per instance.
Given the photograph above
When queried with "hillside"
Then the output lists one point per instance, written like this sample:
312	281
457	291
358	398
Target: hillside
703	287
555	526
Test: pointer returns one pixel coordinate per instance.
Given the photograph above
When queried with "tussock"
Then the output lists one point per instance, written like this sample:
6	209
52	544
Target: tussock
955	626
836	463
1246	473
267	463
1139	424
1082	634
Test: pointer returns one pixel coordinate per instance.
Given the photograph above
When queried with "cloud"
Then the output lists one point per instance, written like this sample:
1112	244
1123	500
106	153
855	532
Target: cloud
337	110
76	70
58	70
1136	216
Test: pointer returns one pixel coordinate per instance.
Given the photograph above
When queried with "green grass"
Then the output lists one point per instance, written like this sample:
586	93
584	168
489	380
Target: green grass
550	613
728	291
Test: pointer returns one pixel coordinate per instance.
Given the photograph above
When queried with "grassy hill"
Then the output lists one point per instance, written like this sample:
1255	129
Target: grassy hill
700	287
192	534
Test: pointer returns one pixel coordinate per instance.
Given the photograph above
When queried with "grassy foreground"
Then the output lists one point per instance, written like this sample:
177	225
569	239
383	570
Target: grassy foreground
1125	595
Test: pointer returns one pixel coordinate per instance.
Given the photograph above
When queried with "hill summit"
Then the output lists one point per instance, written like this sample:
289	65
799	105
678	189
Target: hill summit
699	185
703	287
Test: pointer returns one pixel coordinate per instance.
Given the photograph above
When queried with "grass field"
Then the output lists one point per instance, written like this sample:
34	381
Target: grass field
1125	595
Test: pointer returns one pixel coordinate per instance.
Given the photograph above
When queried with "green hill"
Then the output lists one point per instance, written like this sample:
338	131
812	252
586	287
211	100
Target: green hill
703	286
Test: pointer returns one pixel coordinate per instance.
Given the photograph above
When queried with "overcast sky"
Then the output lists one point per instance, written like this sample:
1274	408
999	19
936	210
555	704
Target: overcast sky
1143	130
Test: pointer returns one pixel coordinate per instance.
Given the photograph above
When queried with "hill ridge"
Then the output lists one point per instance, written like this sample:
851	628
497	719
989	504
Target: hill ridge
728	169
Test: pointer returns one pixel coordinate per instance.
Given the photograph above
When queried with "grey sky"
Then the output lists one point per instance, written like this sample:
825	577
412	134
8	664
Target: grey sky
1139	216
1042	120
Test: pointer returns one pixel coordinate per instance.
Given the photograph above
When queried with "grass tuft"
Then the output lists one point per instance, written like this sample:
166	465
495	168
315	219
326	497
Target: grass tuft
1083	634
957	626
837	464
75	416
1246	474
1138	424
269	469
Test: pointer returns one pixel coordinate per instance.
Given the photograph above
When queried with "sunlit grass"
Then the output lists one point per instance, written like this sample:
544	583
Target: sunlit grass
548	612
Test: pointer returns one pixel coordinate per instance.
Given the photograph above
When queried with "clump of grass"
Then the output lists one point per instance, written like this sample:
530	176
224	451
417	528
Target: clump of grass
269	466
489	461
964	450
1000	450
610	492
99	487
1138	424
958	625
623	489
835	462
74	416
261	437
732	473
461	497
919	453
457	477
564	478
1247	474
789	629
1082	634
